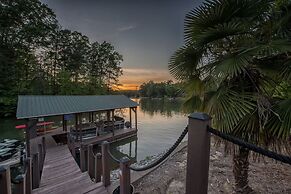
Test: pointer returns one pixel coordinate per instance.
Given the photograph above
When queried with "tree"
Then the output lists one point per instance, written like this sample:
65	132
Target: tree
104	65
24	28
236	66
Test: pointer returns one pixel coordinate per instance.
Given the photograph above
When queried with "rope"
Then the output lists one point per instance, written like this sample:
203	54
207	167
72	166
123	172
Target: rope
237	141
164	156
113	157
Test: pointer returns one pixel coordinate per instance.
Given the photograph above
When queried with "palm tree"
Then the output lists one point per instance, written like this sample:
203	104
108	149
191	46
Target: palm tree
236	66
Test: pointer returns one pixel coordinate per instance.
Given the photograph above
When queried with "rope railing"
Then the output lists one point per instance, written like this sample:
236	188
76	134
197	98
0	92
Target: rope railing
252	147
157	161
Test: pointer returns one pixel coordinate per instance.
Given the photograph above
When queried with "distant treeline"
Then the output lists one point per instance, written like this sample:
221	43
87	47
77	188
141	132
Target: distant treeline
160	89
38	56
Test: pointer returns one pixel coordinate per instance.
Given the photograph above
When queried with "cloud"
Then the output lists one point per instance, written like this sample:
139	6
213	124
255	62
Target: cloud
126	28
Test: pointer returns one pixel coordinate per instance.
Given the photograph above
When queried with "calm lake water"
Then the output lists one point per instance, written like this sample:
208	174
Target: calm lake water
160	122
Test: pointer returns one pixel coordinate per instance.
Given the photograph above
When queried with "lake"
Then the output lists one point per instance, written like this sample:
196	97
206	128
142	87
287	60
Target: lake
160	123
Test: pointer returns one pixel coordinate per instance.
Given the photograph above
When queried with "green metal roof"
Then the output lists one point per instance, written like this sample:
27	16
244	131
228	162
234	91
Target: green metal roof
41	106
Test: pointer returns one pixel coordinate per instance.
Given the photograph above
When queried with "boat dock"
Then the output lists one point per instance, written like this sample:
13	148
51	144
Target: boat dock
61	174
61	161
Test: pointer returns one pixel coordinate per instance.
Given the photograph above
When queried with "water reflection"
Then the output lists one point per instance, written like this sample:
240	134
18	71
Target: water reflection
160	122
165	107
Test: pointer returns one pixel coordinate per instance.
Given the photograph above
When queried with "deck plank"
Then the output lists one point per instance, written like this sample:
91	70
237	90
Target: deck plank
62	175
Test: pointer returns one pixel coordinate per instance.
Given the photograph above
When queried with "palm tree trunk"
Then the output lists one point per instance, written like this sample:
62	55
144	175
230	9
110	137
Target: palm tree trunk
240	171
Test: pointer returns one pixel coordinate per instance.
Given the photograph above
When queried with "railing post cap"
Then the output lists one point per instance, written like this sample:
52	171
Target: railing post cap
3	168
124	159
19	178
105	142
199	116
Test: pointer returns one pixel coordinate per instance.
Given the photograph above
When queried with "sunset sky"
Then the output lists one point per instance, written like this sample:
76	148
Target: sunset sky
145	32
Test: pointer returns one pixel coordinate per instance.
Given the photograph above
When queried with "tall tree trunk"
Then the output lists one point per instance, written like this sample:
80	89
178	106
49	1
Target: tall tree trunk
240	171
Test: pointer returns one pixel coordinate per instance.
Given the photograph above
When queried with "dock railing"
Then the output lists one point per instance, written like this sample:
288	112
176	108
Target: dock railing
198	154
30	178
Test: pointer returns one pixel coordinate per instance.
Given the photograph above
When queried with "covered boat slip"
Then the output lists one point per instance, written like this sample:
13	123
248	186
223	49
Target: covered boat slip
92	118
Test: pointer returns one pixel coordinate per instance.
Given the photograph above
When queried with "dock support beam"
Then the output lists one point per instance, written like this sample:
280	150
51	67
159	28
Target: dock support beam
198	151
82	158
5	183
20	186
98	167
35	171
105	164
28	176
124	177
91	158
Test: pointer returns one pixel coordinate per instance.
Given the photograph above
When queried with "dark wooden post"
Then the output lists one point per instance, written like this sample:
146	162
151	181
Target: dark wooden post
20	186
98	167
76	126
35	171
40	151
124	176
5	183
82	158
31	125
28	176
198	151
91	162
43	146
105	164
63	122
80	127
135	113
130	120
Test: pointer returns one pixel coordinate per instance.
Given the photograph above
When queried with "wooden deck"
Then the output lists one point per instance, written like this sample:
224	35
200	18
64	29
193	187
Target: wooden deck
118	135
62	175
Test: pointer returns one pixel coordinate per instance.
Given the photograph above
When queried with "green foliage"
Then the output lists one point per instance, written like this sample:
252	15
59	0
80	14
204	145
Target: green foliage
236	66
37	56
160	90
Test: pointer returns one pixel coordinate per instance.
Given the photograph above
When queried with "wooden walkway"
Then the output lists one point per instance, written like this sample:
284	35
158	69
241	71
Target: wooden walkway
62	175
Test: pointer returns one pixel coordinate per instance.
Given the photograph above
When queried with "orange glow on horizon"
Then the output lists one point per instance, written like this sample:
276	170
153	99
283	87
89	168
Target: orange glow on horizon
132	78
128	87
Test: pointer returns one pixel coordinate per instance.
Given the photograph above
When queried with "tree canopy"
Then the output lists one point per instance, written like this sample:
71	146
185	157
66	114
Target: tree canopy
160	90
38	56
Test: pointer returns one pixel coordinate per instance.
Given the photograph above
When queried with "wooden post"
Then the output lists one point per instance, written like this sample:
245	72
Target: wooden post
124	176
91	162
108	115
28	174
105	164
98	167
43	146
77	126
80	127
35	171
40	158
31	124
130	120
135	114
5	183
198	151
63	121
20	186
82	158
73	147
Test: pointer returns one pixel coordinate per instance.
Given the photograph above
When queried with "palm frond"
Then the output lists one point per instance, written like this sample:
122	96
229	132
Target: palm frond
227	107
183	64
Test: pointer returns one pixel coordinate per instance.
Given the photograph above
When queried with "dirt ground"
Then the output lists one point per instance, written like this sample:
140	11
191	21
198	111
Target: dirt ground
264	177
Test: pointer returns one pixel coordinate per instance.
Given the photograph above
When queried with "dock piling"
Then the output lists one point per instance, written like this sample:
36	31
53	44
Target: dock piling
35	171
105	164
5	183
